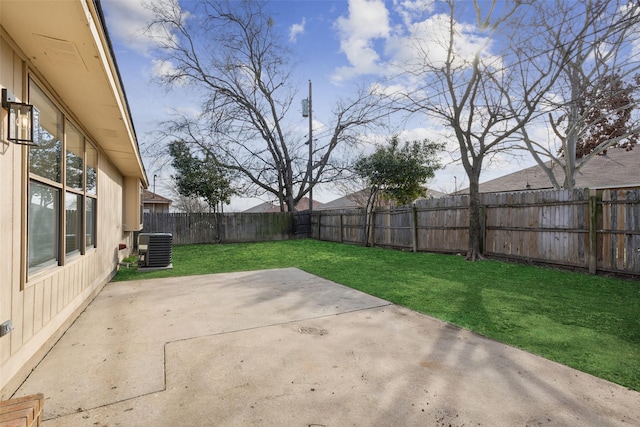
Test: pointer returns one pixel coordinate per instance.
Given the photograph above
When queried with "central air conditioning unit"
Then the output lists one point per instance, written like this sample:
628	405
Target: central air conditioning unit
154	251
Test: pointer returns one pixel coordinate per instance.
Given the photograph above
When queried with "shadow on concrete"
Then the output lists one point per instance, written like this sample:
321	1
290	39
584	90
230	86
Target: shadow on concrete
284	347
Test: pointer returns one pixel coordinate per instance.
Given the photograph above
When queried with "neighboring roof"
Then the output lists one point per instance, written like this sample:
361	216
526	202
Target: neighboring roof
618	168
262	207
354	200
302	205
358	200
434	194
66	42
153	198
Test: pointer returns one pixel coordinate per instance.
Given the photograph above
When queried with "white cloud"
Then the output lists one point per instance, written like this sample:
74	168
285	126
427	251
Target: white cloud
411	10
296	30
166	70
129	22
427	43
367	21
375	45
388	91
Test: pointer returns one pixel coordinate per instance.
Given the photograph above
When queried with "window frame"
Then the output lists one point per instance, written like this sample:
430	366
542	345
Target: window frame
89	160
73	191
53	181
90	195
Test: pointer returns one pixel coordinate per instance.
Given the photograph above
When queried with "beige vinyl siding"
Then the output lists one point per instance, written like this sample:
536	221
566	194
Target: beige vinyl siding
11	175
51	298
42	304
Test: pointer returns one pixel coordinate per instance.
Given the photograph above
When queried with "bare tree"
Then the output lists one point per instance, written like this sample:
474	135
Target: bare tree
188	204
491	82
591	107
468	82
230	53
182	203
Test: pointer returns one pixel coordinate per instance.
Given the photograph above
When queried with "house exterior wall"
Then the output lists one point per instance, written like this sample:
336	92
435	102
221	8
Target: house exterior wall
42	304
10	173
156	208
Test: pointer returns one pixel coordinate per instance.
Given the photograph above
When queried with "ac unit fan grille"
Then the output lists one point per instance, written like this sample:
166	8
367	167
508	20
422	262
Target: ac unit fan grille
157	253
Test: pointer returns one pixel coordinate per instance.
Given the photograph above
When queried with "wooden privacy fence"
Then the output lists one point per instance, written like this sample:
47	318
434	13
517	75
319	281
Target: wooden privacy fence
598	230
196	228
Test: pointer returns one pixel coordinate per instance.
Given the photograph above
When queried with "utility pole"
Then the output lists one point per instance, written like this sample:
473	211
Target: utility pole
310	150
307	111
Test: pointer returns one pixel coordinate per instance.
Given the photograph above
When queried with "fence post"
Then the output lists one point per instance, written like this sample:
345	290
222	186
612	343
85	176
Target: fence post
593	235
414	228
341	228
372	235
483	227
365	224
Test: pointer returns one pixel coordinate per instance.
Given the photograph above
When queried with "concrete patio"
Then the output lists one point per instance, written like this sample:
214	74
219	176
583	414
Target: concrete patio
286	348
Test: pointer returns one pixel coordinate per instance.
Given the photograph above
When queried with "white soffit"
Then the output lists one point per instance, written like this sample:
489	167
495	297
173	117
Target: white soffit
60	51
65	43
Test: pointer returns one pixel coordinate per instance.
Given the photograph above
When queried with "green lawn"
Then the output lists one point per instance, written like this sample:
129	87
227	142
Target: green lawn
591	323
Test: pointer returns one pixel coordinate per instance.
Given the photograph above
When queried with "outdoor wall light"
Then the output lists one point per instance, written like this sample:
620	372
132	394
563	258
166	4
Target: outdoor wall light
20	119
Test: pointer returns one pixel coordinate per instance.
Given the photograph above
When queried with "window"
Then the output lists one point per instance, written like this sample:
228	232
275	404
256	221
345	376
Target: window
90	222
92	166
91	155
73	222
74	178
74	144
43	225
62	187
45	176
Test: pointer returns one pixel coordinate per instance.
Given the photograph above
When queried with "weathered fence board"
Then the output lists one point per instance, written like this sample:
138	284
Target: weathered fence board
546	226
196	228
442	224
344	226
392	228
555	227
619	230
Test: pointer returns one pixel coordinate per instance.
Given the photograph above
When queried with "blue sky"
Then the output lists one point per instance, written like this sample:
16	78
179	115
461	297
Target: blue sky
337	45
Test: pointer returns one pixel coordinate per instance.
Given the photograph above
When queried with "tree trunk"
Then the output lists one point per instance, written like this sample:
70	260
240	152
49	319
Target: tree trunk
368	215
291	202
573	128
474	251
218	221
